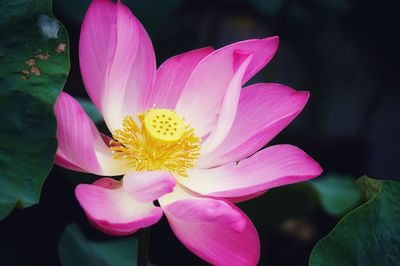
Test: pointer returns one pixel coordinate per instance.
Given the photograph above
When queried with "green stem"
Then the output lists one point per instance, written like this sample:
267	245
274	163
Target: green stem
143	249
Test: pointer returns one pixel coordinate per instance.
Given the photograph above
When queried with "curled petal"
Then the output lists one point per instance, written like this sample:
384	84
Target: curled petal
111	209
263	111
264	51
213	229
272	167
200	100
229	104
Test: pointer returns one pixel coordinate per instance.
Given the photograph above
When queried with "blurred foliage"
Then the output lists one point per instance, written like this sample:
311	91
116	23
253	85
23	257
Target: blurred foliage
91	110
76	250
368	235
76	9
337	194
280	204
270	7
34	67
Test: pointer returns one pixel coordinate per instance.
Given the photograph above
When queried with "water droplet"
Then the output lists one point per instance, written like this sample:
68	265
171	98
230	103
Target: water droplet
48	26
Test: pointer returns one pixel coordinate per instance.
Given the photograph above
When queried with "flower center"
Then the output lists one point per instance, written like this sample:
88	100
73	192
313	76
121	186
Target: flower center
162	142
164	125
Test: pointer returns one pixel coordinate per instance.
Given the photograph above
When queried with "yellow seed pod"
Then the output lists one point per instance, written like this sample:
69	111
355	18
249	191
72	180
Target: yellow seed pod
164	125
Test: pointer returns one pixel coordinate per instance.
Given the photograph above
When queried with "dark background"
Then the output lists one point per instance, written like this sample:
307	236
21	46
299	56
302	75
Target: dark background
344	52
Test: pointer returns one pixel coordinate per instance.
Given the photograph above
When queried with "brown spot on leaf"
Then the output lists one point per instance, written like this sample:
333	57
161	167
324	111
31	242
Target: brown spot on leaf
25	72
61	47
42	56
35	70
30	62
24	77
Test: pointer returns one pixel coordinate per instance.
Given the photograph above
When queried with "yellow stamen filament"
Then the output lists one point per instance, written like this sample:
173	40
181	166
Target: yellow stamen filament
163	142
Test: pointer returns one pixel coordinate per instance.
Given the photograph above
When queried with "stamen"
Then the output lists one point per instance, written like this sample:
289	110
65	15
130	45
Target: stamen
163	142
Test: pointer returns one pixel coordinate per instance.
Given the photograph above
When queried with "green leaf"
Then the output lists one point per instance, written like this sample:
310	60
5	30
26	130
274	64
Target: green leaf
75	250
338	194
369	187
34	66
6	206
368	235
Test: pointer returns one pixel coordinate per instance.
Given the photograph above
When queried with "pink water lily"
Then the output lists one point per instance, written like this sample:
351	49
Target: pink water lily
187	134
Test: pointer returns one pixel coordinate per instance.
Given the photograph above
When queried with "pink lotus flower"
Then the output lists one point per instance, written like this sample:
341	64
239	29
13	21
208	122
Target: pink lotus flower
178	135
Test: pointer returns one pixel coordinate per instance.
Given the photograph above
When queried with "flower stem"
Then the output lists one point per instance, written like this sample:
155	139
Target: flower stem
143	249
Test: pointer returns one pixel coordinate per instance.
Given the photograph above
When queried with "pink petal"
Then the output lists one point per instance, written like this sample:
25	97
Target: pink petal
80	145
148	186
172	76
117	61
200	101
272	167
263	111
61	160
112	210
246	198
229	105
213	229
264	50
